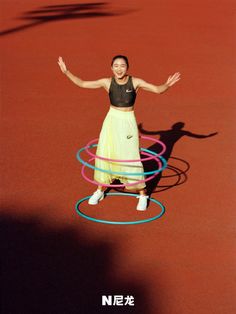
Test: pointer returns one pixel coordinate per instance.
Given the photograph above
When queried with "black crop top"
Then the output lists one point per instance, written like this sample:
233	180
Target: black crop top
122	95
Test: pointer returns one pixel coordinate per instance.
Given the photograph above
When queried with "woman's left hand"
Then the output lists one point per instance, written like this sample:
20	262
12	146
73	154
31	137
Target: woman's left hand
173	79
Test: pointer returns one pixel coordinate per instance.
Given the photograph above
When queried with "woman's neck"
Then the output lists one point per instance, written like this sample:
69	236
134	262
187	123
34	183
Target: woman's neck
123	80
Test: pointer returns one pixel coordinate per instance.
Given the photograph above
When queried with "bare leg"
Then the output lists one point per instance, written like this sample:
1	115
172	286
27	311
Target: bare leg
142	192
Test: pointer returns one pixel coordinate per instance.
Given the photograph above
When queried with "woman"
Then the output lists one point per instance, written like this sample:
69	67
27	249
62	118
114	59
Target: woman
119	135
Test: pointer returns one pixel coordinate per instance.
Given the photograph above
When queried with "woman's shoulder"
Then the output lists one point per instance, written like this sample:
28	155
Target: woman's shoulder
135	81
106	82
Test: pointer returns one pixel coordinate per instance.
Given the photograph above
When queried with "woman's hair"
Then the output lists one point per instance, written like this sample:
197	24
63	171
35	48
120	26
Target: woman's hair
120	57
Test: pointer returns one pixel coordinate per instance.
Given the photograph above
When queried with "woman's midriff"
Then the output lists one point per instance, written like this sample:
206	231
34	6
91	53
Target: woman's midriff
123	108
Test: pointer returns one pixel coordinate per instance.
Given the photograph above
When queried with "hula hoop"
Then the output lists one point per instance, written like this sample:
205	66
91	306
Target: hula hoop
126	160
120	185
119	222
124	173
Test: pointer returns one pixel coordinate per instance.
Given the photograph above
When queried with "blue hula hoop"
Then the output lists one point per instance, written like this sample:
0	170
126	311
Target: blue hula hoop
124	173
80	213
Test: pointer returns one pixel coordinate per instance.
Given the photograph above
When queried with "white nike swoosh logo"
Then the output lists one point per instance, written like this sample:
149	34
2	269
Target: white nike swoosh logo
129	90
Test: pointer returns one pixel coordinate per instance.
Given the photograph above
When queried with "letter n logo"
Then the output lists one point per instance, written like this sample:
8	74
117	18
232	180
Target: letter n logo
107	300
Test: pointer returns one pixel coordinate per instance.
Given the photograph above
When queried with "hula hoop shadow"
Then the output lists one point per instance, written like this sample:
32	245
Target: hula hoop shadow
178	171
80	213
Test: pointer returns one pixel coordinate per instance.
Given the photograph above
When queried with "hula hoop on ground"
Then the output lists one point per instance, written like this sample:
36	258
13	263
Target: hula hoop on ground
126	160
119	222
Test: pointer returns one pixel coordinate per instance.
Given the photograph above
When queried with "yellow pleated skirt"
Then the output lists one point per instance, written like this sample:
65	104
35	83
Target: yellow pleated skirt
119	139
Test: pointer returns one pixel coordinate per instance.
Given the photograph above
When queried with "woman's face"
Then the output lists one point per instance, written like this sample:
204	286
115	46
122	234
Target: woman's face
119	68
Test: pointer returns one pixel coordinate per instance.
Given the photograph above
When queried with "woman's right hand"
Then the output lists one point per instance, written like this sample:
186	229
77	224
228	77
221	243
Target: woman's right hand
62	65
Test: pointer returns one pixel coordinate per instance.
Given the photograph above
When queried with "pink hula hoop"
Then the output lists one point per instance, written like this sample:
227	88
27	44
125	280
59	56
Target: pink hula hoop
127	160
121	185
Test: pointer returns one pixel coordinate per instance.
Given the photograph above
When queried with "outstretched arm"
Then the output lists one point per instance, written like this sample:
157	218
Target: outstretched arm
160	88
76	80
199	135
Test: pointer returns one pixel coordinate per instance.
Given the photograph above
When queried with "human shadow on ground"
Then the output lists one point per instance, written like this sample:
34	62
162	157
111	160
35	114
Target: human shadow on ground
169	138
52	270
54	13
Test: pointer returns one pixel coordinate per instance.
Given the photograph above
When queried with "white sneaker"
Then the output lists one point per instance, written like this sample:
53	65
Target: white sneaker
142	203
96	197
